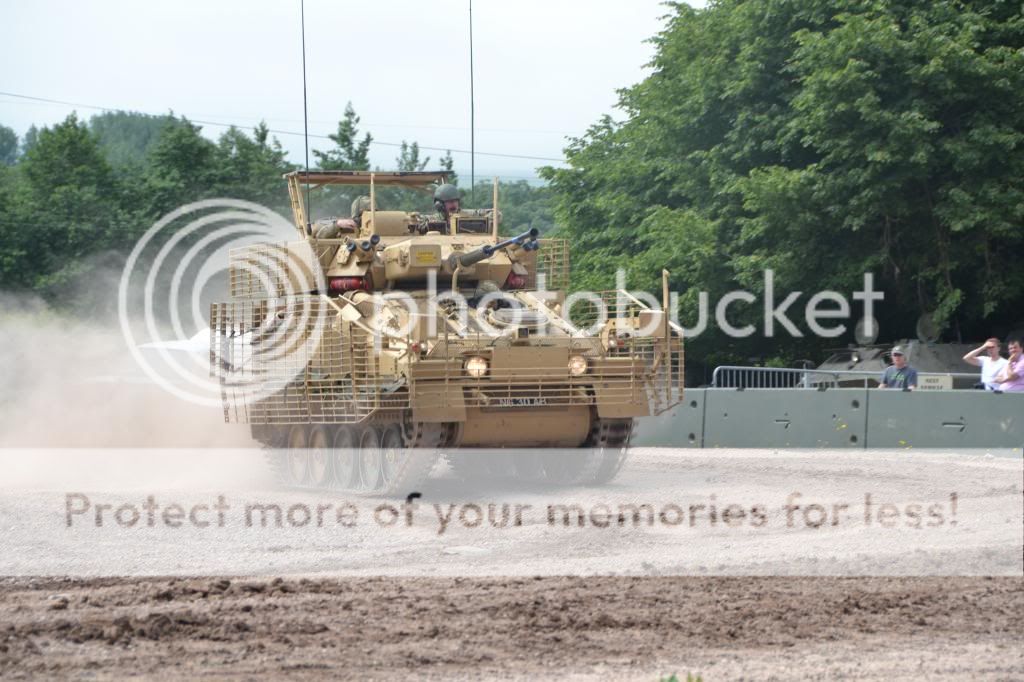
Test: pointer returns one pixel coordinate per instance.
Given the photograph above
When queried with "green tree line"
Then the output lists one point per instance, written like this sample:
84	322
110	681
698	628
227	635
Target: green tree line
76	196
822	140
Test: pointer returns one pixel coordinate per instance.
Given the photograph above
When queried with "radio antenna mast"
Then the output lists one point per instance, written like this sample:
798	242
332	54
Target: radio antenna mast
305	116
472	113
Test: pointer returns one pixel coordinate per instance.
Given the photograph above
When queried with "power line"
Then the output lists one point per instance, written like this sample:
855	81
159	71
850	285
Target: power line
282	132
374	125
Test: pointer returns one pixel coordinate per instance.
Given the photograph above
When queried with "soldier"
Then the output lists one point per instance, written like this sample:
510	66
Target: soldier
332	228
448	202
359	206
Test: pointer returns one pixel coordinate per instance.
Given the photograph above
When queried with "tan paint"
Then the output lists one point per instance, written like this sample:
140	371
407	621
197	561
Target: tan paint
534	361
527	396
438	403
565	427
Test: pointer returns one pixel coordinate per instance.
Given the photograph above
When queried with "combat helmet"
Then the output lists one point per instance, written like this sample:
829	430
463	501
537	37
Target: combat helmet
446	192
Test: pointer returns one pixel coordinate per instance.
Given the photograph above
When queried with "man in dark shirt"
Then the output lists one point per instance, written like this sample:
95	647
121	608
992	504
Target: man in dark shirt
899	374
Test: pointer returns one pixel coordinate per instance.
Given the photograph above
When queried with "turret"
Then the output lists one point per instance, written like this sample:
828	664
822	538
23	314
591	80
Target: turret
393	250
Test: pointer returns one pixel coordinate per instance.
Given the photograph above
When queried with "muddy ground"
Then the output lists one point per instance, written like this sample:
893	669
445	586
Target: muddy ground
554	628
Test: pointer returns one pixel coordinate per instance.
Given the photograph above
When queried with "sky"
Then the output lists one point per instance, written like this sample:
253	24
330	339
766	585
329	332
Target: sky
544	70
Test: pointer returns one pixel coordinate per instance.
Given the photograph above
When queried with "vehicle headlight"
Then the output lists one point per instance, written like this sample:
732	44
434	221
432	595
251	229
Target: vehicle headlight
578	365
476	366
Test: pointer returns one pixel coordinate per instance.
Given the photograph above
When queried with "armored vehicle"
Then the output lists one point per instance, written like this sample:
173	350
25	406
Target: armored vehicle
937	358
372	346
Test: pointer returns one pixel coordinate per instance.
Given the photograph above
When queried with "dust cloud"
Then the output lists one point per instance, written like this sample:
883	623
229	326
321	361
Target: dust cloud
66	381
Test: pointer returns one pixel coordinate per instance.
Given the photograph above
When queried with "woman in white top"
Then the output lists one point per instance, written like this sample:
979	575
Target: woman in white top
987	357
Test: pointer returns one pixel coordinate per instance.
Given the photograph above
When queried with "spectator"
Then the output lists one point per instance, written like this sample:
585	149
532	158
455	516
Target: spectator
1011	379
991	362
899	374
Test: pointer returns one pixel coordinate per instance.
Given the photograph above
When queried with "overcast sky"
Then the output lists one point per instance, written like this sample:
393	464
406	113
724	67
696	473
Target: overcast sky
545	69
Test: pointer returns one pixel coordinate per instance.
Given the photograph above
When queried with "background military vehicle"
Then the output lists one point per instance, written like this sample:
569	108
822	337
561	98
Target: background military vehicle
925	354
351	356
936	358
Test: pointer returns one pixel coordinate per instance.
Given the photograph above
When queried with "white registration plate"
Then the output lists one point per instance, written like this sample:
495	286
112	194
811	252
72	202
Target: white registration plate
522	402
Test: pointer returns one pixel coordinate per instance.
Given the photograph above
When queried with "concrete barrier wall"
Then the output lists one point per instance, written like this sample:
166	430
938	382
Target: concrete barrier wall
938	419
837	418
680	427
785	418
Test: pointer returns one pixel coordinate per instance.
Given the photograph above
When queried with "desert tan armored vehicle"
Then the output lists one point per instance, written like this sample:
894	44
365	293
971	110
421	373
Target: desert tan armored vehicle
366	351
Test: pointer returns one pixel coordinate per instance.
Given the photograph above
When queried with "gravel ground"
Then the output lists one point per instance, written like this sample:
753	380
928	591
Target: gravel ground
83	513
316	604
638	606
539	628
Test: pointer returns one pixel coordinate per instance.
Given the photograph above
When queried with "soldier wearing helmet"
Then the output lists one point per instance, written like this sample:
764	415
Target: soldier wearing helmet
448	202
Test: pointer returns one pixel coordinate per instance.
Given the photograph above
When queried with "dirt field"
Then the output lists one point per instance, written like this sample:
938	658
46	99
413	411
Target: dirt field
555	628
356	624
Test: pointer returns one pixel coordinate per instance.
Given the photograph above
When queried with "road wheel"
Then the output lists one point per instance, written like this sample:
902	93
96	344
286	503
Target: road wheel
369	459
609	437
345	458
297	458
320	456
393	454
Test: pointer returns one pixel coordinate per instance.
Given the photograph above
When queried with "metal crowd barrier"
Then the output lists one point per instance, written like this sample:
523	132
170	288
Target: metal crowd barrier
735	376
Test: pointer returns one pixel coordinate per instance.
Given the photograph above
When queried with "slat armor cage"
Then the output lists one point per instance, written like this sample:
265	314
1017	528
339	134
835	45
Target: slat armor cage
553	264
296	361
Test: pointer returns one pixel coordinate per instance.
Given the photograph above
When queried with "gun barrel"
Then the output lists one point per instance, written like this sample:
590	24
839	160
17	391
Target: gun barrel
485	252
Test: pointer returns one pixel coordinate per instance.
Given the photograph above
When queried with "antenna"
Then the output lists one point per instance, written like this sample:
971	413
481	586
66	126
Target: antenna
472	113
305	116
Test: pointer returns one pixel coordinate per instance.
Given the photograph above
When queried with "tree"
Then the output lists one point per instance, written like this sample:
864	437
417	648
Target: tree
932	170
128	136
821	140
447	164
8	146
409	158
67	207
27	142
251	168
522	205
181	168
349	153
14	240
81	194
